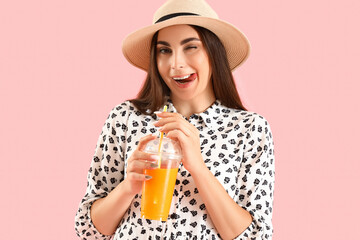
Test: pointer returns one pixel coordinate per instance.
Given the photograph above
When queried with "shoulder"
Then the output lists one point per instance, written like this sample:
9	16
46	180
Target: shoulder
123	109
246	119
251	125
118	115
256	119
126	112
258	129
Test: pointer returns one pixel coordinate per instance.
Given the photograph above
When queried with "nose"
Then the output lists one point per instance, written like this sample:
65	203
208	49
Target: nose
177	60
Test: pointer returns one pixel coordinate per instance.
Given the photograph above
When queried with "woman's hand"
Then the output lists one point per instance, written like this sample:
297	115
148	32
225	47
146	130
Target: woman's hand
177	128
137	162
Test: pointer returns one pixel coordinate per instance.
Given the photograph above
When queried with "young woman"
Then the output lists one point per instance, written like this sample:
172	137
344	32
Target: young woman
225	182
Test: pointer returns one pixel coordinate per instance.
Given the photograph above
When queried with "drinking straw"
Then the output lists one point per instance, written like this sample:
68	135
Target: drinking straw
161	139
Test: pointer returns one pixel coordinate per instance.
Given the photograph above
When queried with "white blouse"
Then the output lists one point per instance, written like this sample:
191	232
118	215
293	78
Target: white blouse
237	147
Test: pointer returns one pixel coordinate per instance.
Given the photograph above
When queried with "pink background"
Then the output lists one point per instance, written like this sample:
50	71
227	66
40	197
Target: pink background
62	70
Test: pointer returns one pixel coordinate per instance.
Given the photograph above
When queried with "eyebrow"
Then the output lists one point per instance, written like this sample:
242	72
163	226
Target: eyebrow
182	42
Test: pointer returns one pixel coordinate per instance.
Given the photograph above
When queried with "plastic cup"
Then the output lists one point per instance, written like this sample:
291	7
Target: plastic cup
158	191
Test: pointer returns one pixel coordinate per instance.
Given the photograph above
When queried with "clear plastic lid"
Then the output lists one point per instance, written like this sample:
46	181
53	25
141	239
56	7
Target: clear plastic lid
170	149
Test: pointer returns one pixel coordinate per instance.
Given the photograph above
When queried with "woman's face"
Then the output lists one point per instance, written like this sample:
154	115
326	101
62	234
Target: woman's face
183	63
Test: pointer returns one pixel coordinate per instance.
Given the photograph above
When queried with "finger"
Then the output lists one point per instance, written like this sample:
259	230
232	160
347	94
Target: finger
177	118
138	155
177	135
138	176
176	126
141	156
163	121
164	114
168	114
139	165
143	141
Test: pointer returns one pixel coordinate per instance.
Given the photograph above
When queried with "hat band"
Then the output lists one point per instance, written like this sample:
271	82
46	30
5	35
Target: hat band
172	15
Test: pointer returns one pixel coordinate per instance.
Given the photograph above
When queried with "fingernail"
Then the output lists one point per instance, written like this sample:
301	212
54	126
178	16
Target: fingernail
148	177
153	165
157	112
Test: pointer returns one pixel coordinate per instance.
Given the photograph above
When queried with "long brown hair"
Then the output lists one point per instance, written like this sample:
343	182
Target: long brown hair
154	90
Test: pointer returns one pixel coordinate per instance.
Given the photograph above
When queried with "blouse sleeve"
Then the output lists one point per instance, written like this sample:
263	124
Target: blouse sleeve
106	170
256	178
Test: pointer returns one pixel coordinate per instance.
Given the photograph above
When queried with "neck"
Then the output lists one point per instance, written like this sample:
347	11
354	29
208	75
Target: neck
189	107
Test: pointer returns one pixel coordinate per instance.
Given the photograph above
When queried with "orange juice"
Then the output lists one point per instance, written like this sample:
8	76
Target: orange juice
157	193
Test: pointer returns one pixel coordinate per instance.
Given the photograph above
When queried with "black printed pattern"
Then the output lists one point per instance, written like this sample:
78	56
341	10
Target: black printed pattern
237	147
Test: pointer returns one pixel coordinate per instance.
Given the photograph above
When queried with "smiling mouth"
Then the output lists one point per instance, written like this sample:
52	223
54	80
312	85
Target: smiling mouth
185	79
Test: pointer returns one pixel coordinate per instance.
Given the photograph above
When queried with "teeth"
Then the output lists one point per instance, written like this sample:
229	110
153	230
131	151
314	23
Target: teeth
182	78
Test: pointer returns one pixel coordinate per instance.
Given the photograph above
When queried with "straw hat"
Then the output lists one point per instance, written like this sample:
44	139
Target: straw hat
136	46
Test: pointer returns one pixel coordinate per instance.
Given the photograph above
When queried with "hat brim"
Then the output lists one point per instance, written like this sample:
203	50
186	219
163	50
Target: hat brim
136	46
